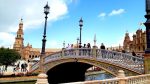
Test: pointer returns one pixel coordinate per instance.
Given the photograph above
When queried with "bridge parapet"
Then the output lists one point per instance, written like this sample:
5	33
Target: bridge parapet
121	59
139	79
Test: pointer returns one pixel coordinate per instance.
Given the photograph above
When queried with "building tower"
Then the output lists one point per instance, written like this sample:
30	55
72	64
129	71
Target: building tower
126	42
18	45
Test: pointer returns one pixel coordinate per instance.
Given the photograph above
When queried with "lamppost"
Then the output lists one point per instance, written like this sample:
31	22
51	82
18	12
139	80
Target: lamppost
64	44
46	11
147	51
95	40
77	42
42	77
80	24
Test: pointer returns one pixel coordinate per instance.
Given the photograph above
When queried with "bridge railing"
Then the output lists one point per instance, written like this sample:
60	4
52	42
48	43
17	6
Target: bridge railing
54	56
34	66
121	59
139	79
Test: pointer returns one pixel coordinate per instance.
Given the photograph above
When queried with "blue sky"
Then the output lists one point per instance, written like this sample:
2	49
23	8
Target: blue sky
108	19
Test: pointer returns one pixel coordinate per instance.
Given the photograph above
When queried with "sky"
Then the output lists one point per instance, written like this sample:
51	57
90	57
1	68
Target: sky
108	20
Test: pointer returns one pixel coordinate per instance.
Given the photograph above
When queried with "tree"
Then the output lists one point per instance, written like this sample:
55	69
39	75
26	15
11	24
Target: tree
8	56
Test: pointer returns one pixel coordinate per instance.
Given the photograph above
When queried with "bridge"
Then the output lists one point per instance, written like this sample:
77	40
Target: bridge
70	65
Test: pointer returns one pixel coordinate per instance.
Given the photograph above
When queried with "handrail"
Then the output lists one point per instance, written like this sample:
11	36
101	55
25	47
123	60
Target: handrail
139	79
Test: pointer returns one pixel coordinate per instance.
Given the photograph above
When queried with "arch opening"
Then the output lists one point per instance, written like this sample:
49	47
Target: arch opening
68	72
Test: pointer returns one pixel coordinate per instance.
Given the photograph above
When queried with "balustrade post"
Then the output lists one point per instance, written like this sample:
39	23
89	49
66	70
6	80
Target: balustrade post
30	66
147	63
63	52
121	75
94	53
77	51
42	79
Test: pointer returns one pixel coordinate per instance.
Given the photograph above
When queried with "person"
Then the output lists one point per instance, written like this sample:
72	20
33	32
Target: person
84	49
102	46
89	50
88	45
25	67
123	51
133	53
71	46
22	67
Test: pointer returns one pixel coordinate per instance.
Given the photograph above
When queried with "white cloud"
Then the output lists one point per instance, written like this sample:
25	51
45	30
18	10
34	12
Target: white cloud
112	13
6	39
31	11
53	44
102	15
116	12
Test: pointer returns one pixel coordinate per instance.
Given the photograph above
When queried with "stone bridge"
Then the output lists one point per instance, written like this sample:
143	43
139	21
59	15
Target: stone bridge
72	64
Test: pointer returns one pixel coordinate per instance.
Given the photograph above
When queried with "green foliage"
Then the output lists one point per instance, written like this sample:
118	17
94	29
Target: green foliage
8	56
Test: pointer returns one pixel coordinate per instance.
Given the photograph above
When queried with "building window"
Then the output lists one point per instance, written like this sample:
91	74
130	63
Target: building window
29	56
143	48
32	56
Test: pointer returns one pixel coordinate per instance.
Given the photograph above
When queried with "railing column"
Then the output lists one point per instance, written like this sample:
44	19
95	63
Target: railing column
94	53
63	52
42	79
77	52
147	63
121	75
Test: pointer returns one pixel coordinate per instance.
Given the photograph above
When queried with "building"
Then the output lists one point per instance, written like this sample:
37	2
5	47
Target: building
27	52
116	48
138	44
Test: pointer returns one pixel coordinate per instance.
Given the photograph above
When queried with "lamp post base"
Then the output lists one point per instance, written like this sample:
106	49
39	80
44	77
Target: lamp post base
42	79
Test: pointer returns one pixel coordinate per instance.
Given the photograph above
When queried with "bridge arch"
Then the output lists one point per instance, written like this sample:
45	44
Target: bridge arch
73	69
91	62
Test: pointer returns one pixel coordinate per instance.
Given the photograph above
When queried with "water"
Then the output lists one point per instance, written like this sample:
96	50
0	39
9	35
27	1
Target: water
99	76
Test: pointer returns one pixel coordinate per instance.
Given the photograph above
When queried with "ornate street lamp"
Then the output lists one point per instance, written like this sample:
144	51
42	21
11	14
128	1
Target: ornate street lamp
42	74
46	11
80	24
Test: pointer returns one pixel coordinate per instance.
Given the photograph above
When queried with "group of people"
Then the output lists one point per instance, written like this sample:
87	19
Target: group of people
23	67
88	45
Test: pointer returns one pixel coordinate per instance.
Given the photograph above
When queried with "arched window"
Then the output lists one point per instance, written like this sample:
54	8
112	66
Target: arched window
29	56
143	48
32	56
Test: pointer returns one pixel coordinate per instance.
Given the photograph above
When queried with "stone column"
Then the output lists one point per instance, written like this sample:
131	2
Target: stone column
42	79
121	75
147	51
147	63
63	50
94	53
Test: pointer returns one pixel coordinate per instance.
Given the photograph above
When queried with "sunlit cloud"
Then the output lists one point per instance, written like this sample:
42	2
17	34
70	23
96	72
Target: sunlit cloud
116	12
32	13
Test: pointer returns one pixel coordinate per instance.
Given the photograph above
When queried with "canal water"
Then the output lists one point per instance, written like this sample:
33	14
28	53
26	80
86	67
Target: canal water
100	76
